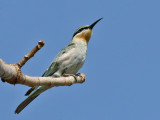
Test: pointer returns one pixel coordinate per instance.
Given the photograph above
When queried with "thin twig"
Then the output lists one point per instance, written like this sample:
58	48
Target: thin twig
31	53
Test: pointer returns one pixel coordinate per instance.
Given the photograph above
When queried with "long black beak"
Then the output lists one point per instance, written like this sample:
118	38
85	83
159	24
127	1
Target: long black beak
93	24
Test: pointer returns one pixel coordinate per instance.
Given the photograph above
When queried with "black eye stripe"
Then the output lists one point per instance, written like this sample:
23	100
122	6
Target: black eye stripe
80	30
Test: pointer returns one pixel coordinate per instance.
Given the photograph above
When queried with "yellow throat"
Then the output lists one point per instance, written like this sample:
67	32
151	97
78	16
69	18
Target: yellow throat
84	35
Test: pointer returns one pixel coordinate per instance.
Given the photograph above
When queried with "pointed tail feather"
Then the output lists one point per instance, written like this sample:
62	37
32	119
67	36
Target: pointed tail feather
32	95
29	91
25	103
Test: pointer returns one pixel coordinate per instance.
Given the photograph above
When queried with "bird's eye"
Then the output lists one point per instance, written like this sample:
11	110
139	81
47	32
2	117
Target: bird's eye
80	30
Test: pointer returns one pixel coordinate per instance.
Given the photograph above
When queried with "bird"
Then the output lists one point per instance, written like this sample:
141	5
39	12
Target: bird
67	62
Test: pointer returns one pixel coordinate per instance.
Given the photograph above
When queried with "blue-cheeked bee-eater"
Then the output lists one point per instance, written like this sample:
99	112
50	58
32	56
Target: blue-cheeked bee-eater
68	61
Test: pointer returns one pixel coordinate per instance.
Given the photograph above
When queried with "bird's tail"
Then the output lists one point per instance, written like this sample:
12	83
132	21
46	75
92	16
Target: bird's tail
31	96
25	103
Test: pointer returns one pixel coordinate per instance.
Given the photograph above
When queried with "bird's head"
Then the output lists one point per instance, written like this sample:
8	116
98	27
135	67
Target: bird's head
84	33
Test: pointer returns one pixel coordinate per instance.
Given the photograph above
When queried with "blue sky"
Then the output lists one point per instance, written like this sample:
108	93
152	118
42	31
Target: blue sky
122	67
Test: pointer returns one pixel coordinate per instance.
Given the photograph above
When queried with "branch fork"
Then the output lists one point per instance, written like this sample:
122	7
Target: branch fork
11	73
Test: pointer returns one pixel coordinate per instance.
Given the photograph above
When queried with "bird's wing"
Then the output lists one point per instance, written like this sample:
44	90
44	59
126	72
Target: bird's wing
36	91
54	65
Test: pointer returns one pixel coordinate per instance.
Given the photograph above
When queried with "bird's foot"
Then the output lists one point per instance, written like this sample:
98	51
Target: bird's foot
74	75
78	74
67	75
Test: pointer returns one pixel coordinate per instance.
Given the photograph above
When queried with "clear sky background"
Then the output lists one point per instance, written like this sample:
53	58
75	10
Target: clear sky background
122	67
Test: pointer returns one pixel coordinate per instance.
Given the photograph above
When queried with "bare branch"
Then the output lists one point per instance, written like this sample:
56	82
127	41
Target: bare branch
50	81
31	53
11	73
7	71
